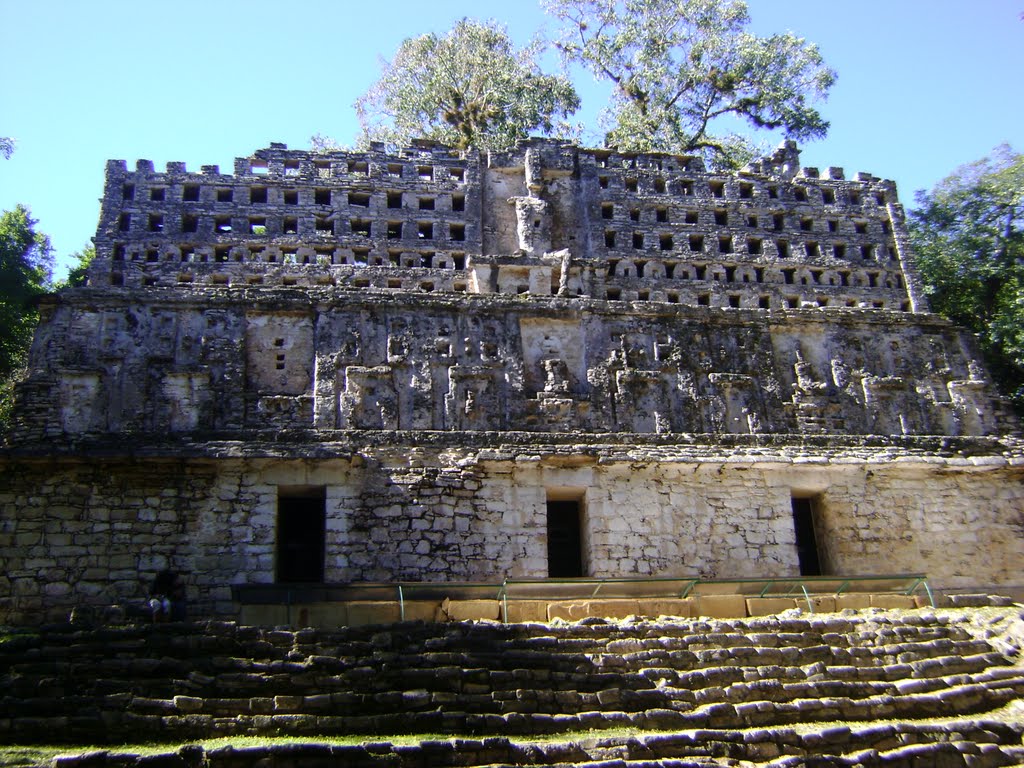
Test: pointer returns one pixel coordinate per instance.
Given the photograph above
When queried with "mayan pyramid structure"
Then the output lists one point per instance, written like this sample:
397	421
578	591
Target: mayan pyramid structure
442	366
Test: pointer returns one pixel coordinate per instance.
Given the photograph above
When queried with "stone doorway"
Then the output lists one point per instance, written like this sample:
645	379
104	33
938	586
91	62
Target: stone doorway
301	534
565	540
804	517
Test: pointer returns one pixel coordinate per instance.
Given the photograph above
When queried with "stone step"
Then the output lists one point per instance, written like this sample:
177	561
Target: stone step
927	658
757	703
648	685
573	638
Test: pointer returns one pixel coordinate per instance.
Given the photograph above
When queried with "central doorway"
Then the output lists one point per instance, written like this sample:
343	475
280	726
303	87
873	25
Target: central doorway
565	540
806	536
301	534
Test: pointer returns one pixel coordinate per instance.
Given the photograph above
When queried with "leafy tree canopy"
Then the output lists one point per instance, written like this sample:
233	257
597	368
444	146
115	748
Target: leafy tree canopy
681	69
6	146
968	234
77	273
25	263
470	87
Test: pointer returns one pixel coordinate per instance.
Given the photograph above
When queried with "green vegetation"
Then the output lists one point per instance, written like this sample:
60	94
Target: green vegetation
41	754
682	68
682	71
26	259
76	274
469	88
968	236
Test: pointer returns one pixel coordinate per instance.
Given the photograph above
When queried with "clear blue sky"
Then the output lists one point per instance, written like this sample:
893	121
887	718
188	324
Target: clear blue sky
924	85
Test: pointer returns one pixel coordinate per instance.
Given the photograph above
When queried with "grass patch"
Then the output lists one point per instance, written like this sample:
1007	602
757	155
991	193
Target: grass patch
20	756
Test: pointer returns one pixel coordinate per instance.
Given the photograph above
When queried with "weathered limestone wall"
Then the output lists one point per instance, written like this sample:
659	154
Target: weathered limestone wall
97	533
427	347
186	363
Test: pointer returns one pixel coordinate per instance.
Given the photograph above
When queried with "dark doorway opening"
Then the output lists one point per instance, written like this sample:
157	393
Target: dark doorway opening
301	535
806	540
565	553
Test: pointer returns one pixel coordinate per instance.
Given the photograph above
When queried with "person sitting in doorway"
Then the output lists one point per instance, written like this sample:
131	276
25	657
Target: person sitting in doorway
167	597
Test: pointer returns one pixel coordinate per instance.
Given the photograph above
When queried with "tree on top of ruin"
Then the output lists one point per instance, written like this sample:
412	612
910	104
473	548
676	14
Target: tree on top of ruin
968	239
682	70
468	88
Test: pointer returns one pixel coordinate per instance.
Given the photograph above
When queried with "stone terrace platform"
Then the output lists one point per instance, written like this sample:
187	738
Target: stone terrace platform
760	689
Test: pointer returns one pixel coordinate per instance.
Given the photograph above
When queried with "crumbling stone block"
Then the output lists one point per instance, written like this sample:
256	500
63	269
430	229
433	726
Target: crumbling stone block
762	606
469	610
372	612
519	611
853	600
721	606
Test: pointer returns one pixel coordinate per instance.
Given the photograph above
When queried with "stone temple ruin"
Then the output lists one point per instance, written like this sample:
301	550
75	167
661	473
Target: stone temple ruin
440	366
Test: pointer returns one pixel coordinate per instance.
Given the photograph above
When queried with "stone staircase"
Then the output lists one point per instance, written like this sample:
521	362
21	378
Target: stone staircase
766	689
